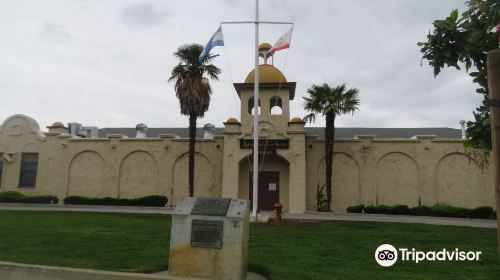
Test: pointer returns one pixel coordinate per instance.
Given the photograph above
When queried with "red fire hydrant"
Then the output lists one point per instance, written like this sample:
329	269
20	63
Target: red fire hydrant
277	213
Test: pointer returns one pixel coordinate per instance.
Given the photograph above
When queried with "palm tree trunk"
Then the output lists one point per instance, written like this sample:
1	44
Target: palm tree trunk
329	139
192	139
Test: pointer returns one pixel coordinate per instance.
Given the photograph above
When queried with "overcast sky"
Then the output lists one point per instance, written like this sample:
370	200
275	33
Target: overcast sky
105	63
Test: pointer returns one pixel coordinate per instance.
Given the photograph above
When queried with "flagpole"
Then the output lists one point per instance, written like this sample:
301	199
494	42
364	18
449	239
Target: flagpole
256	117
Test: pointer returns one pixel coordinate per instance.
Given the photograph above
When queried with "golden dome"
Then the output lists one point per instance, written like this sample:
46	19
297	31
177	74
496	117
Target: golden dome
296	120
58	125
267	74
232	120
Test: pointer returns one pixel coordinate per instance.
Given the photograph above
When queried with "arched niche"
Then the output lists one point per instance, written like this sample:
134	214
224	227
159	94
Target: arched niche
251	104
461	183
87	176
204	180
275	105
345	184
397	180
139	175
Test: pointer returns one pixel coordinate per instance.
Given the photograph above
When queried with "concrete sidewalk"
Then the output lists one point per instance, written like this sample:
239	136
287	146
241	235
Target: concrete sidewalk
16	271
86	208
479	223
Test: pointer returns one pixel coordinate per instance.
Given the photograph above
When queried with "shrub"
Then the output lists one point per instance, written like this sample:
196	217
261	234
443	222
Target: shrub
356	209
484	212
382	209
399	210
371	209
386	209
444	210
11	196
74	199
42	199
152	200
109	201
438	210
421	211
17	197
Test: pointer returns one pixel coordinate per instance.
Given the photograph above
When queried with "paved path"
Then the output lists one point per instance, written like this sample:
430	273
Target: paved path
305	216
250	275
86	208
480	223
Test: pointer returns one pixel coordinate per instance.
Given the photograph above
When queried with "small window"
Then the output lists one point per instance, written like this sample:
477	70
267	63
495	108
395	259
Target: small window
1	168
250	106
29	166
276	106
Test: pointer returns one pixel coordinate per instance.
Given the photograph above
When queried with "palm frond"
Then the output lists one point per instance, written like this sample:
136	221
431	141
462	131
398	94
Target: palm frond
191	78
338	100
310	118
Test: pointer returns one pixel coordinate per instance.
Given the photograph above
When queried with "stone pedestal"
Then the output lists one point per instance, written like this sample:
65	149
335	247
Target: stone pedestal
209	238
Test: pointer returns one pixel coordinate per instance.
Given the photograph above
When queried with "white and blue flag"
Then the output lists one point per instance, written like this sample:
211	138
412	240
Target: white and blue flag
216	40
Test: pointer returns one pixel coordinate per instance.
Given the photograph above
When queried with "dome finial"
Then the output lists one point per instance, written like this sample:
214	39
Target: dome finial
264	51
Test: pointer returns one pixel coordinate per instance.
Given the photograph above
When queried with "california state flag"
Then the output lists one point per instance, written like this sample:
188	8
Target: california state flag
283	42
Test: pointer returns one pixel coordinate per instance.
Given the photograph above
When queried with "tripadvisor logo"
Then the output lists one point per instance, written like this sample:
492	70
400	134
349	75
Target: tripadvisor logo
387	255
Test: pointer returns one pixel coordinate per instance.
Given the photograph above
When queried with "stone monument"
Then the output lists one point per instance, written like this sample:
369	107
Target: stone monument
209	238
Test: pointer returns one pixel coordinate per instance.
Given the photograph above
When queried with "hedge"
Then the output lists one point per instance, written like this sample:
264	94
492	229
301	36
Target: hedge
152	200
385	209
355	209
438	210
17	197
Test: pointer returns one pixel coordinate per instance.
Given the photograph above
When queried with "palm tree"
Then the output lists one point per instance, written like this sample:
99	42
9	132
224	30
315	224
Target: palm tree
193	89
330	102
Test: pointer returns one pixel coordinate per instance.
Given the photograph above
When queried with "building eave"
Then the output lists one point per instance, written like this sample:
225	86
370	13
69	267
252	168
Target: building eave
288	85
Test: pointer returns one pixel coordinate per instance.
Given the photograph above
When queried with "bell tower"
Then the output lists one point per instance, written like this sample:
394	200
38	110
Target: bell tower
282	142
275	95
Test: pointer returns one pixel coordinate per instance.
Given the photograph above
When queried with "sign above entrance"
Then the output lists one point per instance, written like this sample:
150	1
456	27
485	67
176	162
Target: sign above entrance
268	144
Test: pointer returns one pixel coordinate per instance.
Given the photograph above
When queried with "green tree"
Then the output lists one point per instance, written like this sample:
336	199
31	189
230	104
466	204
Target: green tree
193	90
330	102
464	42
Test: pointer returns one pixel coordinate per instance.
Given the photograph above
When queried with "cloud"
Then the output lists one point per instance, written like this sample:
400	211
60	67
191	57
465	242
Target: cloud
54	33
117	78
142	15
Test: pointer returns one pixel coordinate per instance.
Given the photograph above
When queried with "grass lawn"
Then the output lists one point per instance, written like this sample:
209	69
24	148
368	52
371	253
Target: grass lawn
333	250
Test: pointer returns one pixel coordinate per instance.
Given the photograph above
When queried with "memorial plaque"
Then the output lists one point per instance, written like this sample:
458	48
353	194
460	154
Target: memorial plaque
211	206
207	234
209	247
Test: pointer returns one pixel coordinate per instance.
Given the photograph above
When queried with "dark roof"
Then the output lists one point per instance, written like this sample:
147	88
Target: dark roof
340	132
350	132
182	132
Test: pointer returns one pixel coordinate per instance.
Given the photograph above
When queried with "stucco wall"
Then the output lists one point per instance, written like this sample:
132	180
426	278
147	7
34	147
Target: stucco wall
399	171
114	166
369	171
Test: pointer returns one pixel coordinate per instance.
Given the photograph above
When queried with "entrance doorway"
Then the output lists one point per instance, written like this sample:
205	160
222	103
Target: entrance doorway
269	189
